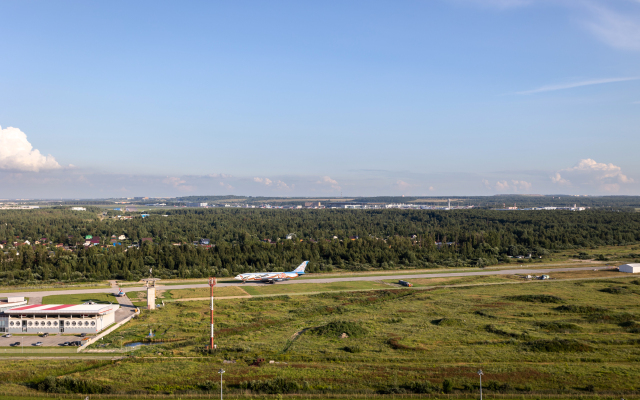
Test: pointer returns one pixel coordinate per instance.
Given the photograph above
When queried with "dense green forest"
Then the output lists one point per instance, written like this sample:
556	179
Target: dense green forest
247	240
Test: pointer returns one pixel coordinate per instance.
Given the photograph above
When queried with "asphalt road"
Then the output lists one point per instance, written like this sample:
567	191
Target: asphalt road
524	271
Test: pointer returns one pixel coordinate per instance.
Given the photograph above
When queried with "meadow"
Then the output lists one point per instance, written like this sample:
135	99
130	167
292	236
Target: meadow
555	338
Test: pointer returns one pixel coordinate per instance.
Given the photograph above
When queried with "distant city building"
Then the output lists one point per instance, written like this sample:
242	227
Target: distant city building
197	204
78	209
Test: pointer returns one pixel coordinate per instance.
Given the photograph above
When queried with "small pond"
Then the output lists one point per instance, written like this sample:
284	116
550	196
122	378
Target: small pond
133	344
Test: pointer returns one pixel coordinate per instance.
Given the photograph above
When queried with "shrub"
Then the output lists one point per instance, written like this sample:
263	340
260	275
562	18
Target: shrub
632	326
209	386
352	349
272	386
447	322
557	346
497	386
447	386
610	318
498	331
536	298
336	328
420	387
559	326
616	290
580	309
484	313
68	384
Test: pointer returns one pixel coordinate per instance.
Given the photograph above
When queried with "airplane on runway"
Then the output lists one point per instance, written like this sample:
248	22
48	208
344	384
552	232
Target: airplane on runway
272	277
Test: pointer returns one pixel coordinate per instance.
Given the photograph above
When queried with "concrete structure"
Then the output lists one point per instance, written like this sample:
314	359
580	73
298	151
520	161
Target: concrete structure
151	293
58	318
630	268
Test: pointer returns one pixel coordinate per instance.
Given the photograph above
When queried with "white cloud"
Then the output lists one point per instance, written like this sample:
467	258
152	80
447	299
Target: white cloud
225	185
223	176
177	183
277	184
328	181
402	185
588	172
562	86
522	185
266	181
615	29
557	178
431	188
504	185
282	185
16	153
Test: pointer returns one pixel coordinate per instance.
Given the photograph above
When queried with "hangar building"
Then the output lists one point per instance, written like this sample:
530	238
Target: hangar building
58	318
631	268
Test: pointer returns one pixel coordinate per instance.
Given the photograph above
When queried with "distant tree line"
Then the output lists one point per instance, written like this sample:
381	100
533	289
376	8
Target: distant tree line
240	240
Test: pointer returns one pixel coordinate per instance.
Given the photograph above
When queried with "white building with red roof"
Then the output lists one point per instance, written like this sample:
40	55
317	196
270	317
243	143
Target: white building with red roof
58	318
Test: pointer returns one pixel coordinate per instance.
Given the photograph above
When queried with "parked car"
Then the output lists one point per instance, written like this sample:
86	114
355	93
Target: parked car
37	344
45	334
8	335
83	335
66	344
16	344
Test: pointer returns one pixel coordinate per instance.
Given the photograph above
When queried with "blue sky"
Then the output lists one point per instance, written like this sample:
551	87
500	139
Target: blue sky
290	98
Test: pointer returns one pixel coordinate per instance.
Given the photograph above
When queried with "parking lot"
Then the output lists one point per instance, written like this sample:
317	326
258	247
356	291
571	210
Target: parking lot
30	340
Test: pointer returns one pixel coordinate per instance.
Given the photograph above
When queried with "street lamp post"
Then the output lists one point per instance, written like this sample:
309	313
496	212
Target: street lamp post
480	375
221	372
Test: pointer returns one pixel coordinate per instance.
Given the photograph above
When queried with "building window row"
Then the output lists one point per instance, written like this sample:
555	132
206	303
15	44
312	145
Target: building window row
52	323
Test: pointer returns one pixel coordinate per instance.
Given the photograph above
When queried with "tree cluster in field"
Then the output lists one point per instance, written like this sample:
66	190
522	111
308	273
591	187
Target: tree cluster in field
254	240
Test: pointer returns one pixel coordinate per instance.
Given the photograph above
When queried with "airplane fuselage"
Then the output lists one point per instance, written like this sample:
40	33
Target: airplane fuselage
266	276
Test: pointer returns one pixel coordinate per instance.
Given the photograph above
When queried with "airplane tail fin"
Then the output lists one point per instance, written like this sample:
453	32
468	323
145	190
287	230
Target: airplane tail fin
300	269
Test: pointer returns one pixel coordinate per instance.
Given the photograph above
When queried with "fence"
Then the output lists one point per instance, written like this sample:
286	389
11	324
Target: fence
106	332
337	396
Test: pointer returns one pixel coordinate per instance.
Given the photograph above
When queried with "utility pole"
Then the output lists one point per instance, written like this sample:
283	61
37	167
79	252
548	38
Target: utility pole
221	372
480	375
212	283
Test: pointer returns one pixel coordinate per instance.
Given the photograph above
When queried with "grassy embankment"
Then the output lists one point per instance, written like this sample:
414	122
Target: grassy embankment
561	338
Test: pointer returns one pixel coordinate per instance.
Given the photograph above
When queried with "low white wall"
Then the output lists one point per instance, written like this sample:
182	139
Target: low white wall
105	333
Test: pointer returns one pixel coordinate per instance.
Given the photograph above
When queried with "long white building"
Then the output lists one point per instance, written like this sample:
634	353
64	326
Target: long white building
58	318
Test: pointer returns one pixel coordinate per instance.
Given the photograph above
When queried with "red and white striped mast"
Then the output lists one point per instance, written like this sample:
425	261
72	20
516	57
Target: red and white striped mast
212	283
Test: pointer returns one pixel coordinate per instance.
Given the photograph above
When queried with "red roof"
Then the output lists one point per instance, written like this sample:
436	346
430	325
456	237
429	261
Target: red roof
60	307
28	307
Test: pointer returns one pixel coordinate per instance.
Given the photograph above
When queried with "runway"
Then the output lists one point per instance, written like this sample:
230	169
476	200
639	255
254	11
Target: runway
522	271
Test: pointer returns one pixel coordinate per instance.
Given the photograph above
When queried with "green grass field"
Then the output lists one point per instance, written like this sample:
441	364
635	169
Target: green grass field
560	339
79	298
267	289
